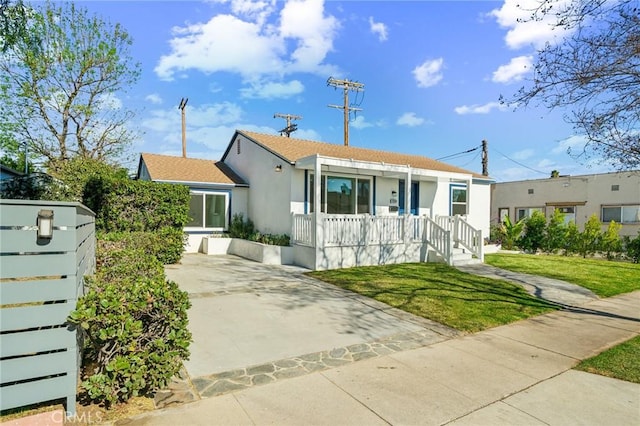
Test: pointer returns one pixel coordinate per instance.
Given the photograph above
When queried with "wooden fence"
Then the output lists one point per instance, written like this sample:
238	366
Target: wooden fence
40	281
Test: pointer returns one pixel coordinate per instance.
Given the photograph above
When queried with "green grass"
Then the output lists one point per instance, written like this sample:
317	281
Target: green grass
440	293
620	362
605	278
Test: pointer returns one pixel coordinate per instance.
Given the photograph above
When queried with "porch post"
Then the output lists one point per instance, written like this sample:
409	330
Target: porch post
407	204
317	209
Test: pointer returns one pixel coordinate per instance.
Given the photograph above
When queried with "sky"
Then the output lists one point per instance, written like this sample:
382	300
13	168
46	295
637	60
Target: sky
433	73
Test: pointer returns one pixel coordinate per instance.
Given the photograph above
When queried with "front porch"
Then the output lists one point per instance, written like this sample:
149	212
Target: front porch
325	241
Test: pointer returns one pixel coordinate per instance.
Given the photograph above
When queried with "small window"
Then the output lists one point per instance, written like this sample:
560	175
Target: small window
458	200
615	187
530	191
503	212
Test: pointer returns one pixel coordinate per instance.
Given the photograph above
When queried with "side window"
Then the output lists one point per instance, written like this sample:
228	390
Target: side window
458	200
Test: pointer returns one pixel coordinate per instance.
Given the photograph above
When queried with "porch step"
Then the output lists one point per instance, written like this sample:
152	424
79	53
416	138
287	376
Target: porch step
463	257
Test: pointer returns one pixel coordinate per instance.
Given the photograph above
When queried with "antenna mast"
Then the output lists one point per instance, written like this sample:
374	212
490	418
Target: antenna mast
290	127
346	86
183	104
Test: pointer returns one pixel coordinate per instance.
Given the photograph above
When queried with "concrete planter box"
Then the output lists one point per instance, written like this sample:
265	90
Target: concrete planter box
263	253
215	245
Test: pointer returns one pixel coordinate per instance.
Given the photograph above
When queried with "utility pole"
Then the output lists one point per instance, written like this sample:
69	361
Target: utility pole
183	104
485	158
346	86
290	127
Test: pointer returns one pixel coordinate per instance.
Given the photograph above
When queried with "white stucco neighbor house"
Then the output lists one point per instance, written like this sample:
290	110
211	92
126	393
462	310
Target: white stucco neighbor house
610	196
342	205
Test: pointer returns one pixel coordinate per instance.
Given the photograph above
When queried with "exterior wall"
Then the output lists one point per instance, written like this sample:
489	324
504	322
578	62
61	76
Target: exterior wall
370	255
479	207
589	192
269	195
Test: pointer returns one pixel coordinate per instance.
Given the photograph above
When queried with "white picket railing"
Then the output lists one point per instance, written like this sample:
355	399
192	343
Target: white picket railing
443	234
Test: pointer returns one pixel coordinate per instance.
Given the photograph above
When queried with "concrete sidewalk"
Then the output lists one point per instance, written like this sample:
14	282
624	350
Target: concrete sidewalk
514	374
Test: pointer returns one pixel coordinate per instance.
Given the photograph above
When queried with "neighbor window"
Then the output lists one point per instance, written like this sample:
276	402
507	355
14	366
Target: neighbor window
207	210
503	212
525	212
458	200
621	214
342	195
569	212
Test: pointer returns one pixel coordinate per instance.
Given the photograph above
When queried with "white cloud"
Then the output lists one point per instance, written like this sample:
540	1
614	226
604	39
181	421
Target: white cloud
272	90
522	31
545	163
515	70
570	143
251	46
480	109
166	120
429	73
410	119
378	28
360	123
523	155
154	98
110	101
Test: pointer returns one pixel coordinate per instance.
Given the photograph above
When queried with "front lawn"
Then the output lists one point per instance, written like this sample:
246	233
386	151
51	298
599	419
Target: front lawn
620	362
605	278
440	293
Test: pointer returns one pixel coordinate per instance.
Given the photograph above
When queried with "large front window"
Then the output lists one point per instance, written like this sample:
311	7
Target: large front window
207	210
621	214
342	195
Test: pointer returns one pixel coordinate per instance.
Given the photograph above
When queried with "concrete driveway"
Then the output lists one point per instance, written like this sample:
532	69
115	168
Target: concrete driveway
283	323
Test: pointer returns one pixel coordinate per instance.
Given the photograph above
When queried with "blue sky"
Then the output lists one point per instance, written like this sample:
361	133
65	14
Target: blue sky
433	72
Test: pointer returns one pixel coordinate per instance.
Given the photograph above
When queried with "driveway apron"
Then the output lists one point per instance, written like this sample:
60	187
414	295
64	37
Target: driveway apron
255	323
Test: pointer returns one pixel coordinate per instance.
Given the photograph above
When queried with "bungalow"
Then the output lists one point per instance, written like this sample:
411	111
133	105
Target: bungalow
342	205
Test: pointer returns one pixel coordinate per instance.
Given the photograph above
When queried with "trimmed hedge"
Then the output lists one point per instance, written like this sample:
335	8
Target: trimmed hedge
136	205
165	244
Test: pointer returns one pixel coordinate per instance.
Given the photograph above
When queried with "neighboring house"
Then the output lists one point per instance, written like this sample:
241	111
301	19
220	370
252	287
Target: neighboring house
216	191
610	196
7	173
374	206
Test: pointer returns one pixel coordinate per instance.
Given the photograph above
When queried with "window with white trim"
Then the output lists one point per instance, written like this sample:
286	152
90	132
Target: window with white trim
458	196
208	210
621	214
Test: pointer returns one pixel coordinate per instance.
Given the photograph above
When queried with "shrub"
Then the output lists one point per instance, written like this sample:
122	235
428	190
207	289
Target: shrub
135	326
76	172
632	247
533	235
135	205
511	232
239	228
571	239
166	244
555	232
589	241
610	242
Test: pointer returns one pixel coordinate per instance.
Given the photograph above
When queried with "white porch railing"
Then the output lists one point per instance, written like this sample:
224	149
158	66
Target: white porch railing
442	234
463	234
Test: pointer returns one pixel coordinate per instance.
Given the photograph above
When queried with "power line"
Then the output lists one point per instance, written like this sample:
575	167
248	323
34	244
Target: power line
520	164
458	154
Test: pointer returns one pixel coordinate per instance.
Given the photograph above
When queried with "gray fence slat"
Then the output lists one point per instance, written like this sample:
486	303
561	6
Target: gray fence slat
27	215
37	291
20	241
37	391
12	319
37	265
15	344
37	366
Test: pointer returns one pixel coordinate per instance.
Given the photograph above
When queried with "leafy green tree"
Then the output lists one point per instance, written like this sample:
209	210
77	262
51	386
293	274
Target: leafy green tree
13	23
60	95
632	247
510	232
572	239
555	233
589	241
533	237
611	243
592	74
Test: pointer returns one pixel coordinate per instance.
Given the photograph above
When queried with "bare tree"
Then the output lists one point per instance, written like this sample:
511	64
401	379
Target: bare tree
593	75
59	96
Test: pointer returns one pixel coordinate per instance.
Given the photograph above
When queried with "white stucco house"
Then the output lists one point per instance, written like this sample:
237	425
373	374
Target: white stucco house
341	205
